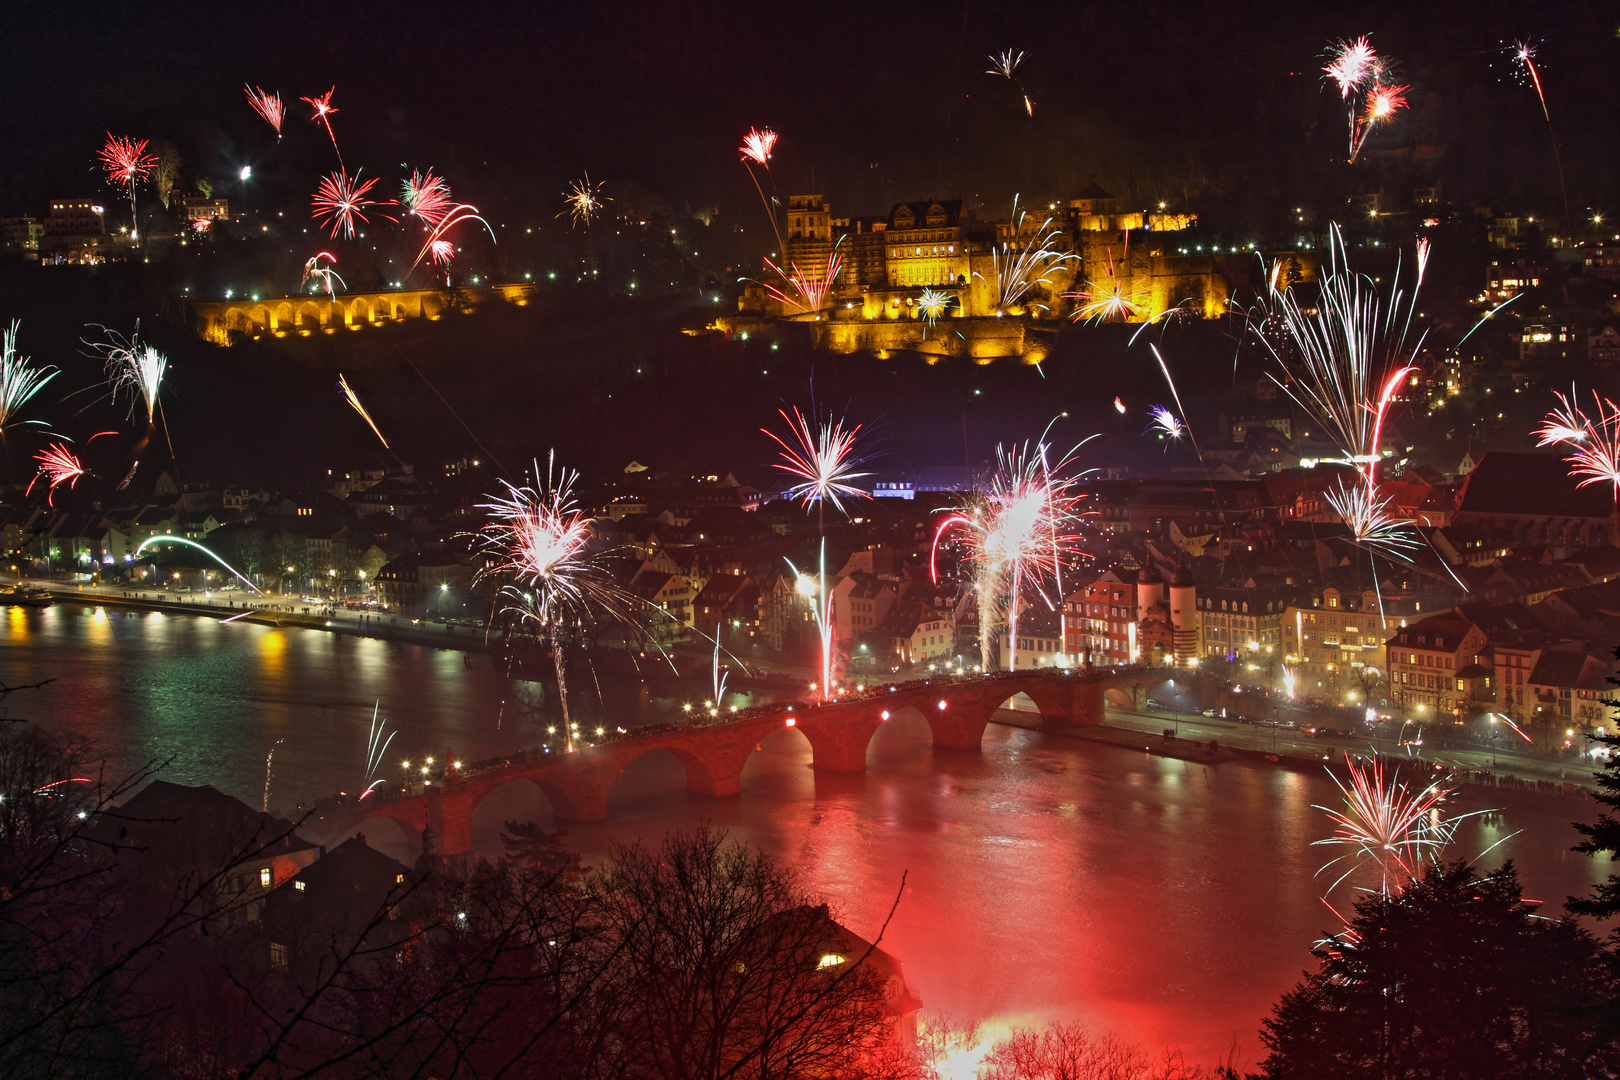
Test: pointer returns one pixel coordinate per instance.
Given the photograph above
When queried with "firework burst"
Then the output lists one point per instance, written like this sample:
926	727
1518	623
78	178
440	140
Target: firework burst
19	380
1006	64
1523	57
1565	424
1381	103
823	456
323	116
1165	424
340	199
1360	73
58	467
1592	438
804	290
427	196
135	368
268	106
1027	260
583	201
933	303
1353	65
127	164
1019	532
1389	826
554	575
758	146
1111	297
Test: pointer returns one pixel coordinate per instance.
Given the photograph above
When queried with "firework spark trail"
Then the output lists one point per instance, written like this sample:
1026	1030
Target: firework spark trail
376	747
58	466
1351	360
1005	64
314	271
718	676
1182	409
354	401
19	380
340	198
1018	531
541	547
756	149
268	758
583	201
1524	59
1026	260
436	243
134	367
127	164
809	291
323	115
268	106
824	455
427	196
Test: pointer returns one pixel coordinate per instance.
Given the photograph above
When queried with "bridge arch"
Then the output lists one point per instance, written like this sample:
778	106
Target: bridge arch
359	311
1118	698
904	733
778	762
282	319
309	317
391	828
513	798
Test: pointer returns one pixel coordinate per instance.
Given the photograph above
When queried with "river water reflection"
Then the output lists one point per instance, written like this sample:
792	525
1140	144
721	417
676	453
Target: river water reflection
1168	901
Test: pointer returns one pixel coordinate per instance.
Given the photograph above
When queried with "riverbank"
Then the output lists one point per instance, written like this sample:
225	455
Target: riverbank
1214	751
395	628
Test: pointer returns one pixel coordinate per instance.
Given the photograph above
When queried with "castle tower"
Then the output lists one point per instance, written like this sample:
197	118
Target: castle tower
1184	613
1149	590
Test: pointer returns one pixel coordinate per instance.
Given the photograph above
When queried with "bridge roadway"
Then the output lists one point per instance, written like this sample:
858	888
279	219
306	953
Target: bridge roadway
957	709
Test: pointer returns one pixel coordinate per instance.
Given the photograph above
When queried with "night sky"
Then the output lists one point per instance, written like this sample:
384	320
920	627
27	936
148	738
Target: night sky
1219	107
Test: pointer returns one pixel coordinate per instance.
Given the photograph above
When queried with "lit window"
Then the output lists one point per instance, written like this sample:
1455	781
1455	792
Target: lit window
264	878
830	960
299	885
278	956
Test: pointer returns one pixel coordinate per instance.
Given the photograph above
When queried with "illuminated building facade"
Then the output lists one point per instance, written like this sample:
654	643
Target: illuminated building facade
75	232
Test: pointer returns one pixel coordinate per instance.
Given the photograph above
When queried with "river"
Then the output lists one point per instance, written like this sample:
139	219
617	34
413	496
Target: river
1044	876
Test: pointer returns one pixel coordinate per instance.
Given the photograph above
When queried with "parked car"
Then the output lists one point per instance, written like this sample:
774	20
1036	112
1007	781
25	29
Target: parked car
1156	705
1209	712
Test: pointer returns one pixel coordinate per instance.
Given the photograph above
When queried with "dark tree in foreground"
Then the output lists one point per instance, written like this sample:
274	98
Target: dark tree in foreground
1454	979
1604	834
729	969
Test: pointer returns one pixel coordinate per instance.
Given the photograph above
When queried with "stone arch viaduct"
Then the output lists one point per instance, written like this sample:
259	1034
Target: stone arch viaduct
714	755
225	322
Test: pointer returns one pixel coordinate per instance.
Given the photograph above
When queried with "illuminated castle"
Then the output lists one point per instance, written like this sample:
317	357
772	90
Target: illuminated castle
885	264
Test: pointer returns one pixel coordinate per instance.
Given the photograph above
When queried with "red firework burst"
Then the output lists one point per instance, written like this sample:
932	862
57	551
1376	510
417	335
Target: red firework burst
268	106
126	160
341	198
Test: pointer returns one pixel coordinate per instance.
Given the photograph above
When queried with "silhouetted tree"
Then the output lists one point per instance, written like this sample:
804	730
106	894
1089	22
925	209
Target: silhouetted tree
1453	979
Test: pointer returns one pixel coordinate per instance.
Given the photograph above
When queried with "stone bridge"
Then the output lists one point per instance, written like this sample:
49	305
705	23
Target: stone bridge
957	710
225	322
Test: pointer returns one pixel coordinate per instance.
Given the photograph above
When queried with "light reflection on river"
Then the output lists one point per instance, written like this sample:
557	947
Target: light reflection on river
1046	876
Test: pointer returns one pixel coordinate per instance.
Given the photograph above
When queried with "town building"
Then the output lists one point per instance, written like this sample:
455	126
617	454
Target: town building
75	232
